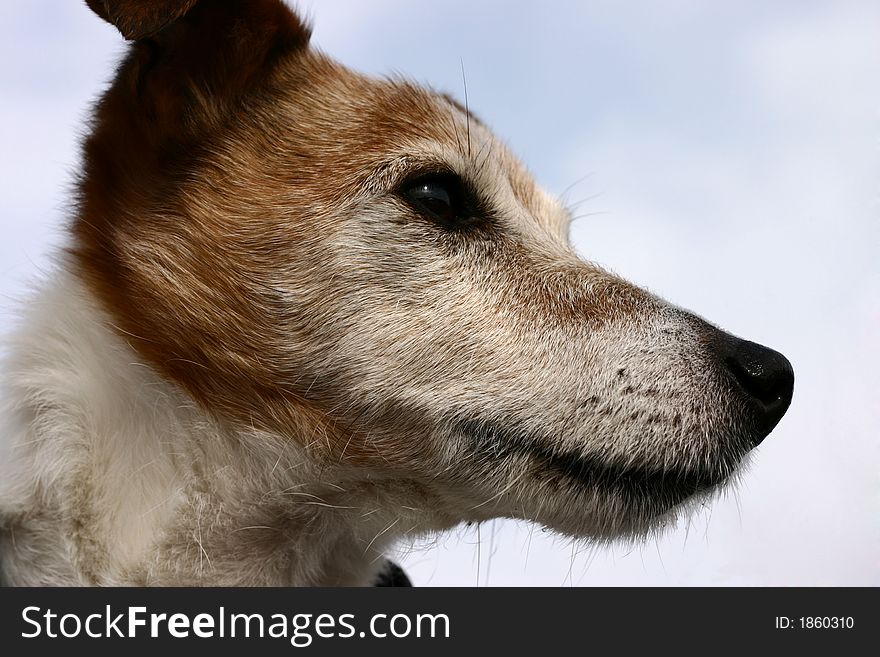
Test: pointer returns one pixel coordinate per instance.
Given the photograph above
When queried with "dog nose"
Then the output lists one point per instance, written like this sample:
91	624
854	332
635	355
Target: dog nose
763	374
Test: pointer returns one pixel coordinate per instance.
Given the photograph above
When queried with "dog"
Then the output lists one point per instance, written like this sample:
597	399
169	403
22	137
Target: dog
303	313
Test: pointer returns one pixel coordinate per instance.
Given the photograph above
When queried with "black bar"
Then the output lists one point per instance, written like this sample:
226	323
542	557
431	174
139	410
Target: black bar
683	620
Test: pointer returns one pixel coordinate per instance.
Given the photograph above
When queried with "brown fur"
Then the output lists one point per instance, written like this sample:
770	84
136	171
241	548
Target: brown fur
137	19
151	219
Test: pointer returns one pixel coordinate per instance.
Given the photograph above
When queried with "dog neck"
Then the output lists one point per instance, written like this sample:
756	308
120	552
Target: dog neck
111	475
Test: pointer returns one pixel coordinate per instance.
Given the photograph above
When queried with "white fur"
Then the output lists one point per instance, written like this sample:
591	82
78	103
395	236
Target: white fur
102	466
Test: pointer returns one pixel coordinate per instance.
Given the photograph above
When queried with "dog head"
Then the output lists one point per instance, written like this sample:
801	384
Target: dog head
361	268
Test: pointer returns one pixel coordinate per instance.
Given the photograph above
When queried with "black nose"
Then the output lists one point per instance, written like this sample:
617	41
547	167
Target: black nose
764	375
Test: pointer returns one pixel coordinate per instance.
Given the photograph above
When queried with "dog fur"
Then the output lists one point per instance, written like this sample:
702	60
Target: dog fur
258	364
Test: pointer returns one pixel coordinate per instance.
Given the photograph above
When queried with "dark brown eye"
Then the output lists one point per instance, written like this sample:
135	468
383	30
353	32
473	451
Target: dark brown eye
440	197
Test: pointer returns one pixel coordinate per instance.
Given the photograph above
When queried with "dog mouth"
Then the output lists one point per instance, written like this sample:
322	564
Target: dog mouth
646	491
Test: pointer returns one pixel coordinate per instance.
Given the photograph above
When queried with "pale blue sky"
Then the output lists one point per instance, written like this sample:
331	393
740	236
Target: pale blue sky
725	155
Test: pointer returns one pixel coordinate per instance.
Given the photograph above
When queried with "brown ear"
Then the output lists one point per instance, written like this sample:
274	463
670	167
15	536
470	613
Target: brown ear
186	52
181	83
137	19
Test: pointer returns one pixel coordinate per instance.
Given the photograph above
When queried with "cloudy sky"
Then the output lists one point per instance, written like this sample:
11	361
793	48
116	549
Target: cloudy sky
725	155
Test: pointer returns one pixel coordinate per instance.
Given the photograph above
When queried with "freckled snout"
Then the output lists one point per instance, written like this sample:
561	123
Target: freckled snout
764	376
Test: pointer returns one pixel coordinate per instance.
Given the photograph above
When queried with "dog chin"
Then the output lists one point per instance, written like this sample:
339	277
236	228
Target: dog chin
593	496
634	513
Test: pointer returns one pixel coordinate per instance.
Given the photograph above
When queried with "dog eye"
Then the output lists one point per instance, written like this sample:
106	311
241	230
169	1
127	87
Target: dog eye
440	197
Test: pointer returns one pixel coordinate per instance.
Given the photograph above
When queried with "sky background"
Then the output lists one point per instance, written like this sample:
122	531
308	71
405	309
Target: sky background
725	155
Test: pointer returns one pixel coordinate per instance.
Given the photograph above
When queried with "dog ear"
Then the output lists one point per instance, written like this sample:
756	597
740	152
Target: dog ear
148	19
189	68
137	19
191	57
